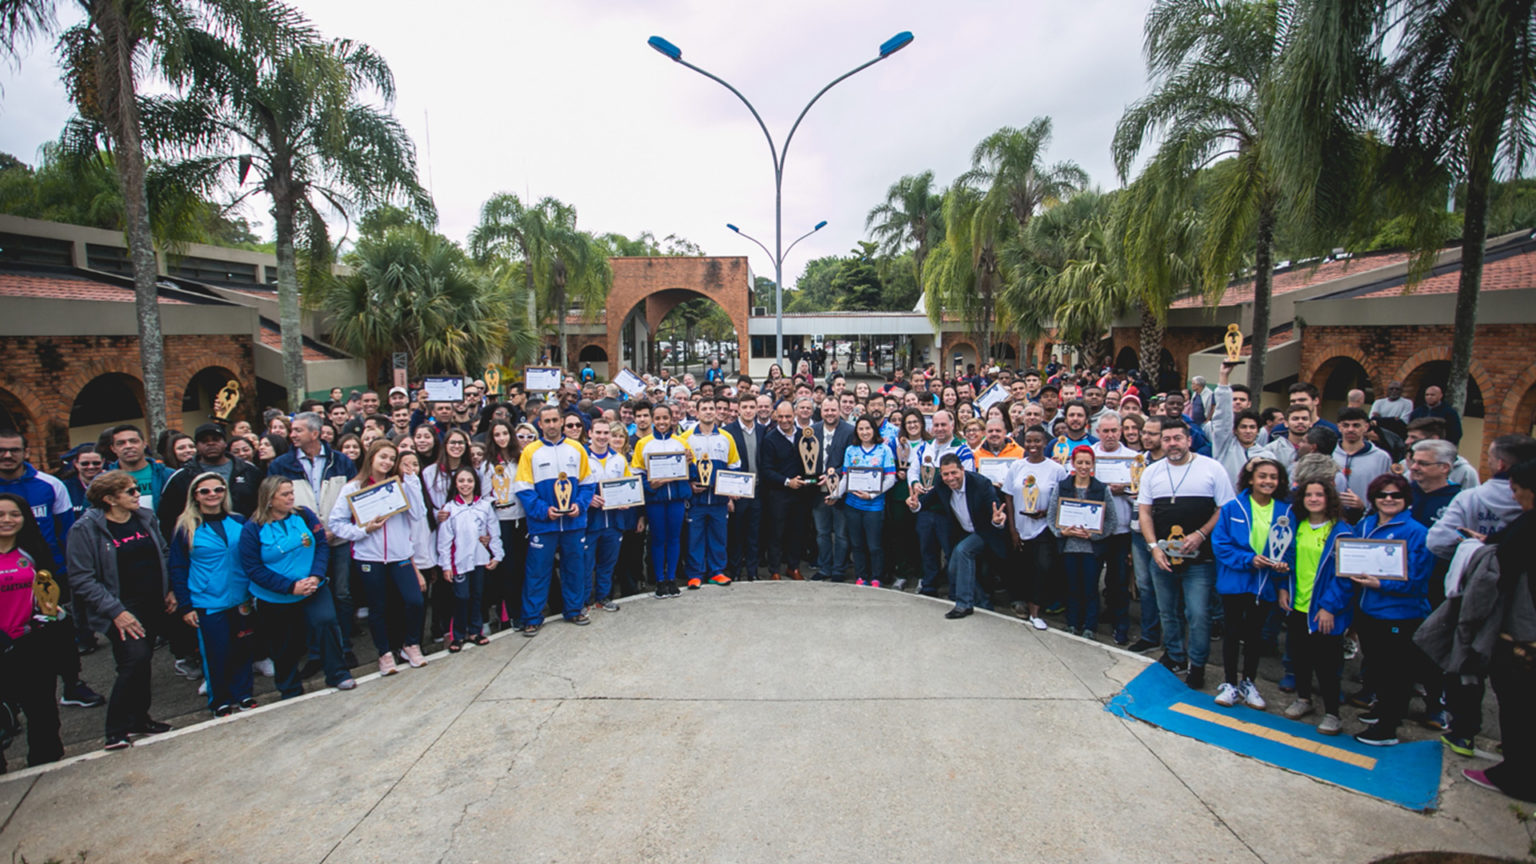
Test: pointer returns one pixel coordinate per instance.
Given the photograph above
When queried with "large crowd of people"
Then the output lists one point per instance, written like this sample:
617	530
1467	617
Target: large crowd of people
1058	495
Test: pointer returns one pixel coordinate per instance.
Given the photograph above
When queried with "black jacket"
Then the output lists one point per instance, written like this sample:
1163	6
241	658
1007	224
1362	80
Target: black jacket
780	459
979	498
244	479
832	446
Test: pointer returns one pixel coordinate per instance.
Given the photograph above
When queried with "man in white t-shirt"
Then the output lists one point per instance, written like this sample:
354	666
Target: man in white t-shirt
1178	502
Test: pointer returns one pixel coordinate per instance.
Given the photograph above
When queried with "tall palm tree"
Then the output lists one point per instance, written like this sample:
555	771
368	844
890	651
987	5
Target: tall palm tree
965	273
1158	236
1213	64
1450	80
911	217
103	57
304	128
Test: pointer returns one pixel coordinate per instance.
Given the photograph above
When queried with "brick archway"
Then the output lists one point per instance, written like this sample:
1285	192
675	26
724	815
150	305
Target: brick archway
1518	411
1430	355
666	282
1327	363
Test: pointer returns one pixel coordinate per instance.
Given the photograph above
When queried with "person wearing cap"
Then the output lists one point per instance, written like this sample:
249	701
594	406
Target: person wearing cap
1130	404
242	478
399	397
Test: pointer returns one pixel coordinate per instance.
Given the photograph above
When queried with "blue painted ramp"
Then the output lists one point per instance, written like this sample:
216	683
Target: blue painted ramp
1407	775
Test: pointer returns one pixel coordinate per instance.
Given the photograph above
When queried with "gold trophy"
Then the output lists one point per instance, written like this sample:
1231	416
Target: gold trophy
1138	465
45	594
1031	496
706	472
563	490
1173	547
225	400
1234	342
492	379
1061	451
810	453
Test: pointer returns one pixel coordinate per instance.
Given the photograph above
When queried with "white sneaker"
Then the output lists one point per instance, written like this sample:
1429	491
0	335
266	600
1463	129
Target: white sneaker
899	584
1250	694
1299	709
362	613
1038	623
1330	725
264	668
1226	695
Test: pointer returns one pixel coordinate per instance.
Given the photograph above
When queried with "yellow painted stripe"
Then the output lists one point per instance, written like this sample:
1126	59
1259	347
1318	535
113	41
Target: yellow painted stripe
1327	751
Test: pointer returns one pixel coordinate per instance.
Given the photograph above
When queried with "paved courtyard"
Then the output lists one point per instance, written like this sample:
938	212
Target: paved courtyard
762	722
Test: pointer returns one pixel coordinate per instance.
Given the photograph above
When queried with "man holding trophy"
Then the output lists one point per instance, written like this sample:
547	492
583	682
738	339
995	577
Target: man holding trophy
555	484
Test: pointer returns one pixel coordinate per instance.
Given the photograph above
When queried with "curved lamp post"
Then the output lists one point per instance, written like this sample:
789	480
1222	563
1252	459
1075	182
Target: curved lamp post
675	54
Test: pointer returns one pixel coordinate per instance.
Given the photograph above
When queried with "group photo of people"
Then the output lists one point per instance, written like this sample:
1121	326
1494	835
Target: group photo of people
363	534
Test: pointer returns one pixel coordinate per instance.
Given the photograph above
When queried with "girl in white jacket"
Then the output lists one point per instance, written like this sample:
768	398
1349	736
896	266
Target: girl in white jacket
468	543
382	552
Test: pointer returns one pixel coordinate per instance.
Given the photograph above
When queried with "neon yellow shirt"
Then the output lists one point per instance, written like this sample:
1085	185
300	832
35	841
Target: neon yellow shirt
1311	540
1258	531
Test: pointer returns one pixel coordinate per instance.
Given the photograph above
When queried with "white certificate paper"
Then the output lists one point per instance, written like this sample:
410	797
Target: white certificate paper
1384	559
621	492
386	499
630	383
866	479
735	484
993	395
542	379
994	468
444	389
666	466
1078	513
1113	469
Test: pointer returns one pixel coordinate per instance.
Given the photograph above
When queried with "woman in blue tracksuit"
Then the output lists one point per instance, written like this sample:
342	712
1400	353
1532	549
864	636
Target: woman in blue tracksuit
211	586
1390	611
665	500
1318	602
1248	572
284	551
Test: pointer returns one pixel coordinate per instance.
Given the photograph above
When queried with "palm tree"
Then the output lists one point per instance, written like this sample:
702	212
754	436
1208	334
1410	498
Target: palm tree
1214	64
102	58
912	216
1454	92
303	127
1158	238
561	264
965	272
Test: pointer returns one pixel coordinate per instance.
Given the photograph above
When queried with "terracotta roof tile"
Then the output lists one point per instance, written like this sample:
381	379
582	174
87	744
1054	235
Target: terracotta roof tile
68	288
1505	274
273	338
1300	277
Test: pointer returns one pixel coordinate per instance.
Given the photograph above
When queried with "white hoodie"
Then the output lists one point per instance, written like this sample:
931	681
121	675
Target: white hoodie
1484	509
459	549
390	543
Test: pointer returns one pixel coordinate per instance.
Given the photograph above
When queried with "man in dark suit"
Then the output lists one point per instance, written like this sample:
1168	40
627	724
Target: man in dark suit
787	497
977	521
834	434
744	526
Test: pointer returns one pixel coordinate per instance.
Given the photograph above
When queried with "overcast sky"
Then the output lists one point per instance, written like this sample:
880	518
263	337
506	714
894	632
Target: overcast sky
567	100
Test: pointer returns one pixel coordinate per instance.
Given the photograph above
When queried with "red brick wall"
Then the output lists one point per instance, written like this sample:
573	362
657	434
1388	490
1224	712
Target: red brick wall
1178	341
723	280
44	375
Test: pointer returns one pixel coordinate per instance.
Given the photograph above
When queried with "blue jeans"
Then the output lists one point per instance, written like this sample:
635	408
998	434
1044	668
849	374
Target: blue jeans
831	541
934	540
743	530
378	578
572	546
1082	570
666	529
864	531
602	555
468	588
338	571
1194	582
963	562
706	540
1141	562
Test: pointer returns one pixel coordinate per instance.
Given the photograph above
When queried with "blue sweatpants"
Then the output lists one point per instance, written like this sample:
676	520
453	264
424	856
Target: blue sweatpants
666	519
468	588
572	547
602	556
706	540
227	639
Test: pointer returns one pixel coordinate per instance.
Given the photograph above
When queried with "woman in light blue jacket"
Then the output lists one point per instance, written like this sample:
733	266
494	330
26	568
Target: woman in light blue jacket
1249	567
213	593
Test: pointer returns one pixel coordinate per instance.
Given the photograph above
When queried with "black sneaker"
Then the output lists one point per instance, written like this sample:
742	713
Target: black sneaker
672	589
661	590
1370	718
1143	644
81	696
150	727
581	619
248	703
1196	678
118	742
1362	699
224	710
1174	666
1378	736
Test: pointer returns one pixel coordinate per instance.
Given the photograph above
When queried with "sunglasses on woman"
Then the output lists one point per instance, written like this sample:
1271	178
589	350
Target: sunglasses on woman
1393	496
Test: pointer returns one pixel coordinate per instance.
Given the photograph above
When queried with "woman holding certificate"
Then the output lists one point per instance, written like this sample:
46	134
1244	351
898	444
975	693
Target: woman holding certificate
661	459
374	512
1082	518
1252	534
869	471
1393	602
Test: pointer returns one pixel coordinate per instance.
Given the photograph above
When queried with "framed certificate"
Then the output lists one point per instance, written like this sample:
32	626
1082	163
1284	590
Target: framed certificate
994	468
993	395
630	383
1384	559
666	466
1080	513
1113	469
736	484
443	389
866	480
542	379
621	493
385	499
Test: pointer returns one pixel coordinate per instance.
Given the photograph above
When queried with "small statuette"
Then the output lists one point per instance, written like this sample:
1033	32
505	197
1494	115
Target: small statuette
492	379
563	490
810	453
1031	495
1234	343
1138	465
1280	536
706	470
1173	547
1061	451
225	400
45	594
927	472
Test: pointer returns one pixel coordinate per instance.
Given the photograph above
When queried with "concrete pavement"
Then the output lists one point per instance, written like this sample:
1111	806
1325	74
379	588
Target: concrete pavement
762	722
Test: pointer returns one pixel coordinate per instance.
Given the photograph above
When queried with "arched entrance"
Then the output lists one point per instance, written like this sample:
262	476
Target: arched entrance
106	400
1127	359
1438	373
1003	353
1167	371
661	285
1334	378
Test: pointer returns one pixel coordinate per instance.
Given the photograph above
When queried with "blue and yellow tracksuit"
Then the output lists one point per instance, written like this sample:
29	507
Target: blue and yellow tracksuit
664	506
605	528
542	464
708	512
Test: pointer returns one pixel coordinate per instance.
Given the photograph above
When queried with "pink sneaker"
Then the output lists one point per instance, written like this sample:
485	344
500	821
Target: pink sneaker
387	664
413	656
874	583
859	582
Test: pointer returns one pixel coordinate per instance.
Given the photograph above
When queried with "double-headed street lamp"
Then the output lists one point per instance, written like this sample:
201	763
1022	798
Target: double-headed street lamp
674	53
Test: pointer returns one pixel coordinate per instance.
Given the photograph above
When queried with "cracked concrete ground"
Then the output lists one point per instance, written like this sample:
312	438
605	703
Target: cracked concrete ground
763	722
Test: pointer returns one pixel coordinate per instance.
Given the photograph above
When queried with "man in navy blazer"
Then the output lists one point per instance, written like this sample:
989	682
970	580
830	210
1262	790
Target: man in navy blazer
977	519
744	526
787	497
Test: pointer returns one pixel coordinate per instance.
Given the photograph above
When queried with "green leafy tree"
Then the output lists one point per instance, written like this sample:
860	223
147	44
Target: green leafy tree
857	281
912	217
